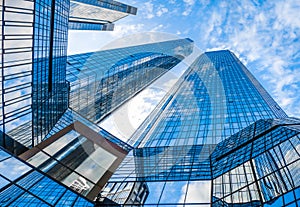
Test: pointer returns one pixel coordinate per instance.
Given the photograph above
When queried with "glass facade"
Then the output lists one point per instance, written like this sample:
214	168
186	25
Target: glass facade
215	98
77	156
16	67
34	90
49	86
34	101
218	139
33	71
261	168
97	14
91	26
23	185
102	81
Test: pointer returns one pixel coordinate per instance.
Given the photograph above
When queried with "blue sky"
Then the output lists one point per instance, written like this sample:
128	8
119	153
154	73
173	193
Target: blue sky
264	35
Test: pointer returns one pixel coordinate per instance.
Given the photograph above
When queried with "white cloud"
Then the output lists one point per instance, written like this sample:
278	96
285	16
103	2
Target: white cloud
197	192
148	6
287	13
187	11
161	11
126	29
263	38
189	2
157	28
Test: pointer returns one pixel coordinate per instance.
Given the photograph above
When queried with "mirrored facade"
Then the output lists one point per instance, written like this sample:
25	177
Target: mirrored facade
23	185
34	89
97	14
102	81
79	157
218	139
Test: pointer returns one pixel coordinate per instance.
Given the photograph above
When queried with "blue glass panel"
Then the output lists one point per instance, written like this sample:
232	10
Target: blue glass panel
68	199
48	190
9	195
27	199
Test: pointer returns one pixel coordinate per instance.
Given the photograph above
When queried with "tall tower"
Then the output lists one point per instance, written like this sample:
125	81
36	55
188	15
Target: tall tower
218	138
97	14
86	155
34	90
215	98
102	81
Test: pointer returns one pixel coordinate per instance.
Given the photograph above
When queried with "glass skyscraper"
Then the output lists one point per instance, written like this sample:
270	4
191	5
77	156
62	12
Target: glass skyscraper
41	121
217	139
97	14
77	152
102	81
34	90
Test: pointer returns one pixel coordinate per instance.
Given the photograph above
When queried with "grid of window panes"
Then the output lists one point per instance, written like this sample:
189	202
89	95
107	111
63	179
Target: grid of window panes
128	193
264	172
76	162
70	117
90	26
166	163
16	66
102	81
110	4
50	90
262	169
214	99
80	12
23	185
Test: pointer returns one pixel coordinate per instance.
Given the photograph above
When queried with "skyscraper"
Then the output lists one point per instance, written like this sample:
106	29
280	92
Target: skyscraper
34	93
77	152
97	14
102	81
218	139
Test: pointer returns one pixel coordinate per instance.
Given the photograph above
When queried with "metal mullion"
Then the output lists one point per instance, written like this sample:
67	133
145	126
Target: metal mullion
16	117
17	21
17	74
21	10
246	178
16	100
19	50
18	8
18	109
23	76
17	34
16	87
25	38
9	66
28	24
2	75
17	12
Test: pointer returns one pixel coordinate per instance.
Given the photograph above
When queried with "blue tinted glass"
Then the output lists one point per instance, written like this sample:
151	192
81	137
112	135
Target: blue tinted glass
48	190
